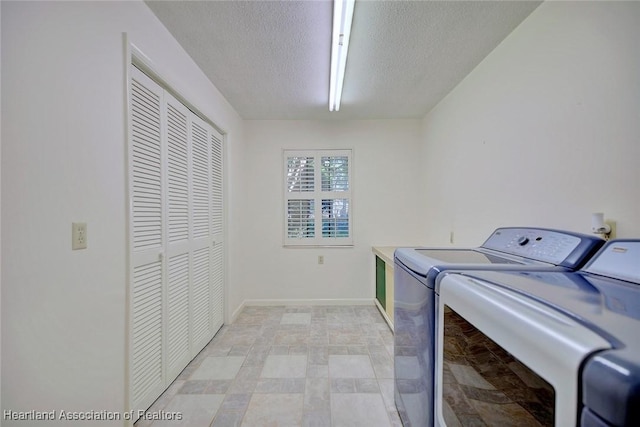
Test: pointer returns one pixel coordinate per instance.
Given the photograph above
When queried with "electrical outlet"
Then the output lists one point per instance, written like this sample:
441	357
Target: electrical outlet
78	235
320	259
451	237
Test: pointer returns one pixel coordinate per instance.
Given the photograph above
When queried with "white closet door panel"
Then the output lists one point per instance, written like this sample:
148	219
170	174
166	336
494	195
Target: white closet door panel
178	351
217	230
176	237
201	325
217	285
146	163
201	199
177	171
178	246
216	186
201	319
147	379
146	244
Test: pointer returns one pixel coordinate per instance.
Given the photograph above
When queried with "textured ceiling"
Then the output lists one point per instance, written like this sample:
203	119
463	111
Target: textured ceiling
270	59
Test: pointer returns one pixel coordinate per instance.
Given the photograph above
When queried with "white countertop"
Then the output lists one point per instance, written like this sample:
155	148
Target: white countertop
385	253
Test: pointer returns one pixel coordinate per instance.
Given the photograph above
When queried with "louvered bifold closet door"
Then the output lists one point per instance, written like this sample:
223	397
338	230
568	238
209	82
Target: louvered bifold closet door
217	218
176	237
146	240
178	214
201	243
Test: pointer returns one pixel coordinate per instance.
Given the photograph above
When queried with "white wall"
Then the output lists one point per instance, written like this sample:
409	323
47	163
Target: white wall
385	201
544	131
63	160
499	150
0	211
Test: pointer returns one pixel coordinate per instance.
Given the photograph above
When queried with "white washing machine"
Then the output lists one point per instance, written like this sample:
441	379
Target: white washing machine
415	272
541	348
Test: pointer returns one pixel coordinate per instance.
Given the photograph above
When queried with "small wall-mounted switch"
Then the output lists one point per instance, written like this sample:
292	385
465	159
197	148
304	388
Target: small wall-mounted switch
320	259
78	235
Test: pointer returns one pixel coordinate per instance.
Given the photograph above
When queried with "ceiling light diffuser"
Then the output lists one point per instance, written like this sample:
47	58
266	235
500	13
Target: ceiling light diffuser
342	17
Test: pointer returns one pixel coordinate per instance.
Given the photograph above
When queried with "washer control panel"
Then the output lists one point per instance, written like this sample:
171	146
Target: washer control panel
552	246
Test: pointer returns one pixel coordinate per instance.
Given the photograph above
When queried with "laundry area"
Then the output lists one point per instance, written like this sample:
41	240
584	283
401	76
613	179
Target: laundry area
207	220
294	365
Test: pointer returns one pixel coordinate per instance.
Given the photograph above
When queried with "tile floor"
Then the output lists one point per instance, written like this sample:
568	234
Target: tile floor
289	366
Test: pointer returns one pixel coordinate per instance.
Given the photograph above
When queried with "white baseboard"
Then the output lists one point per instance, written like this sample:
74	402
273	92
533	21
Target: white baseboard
290	302
236	313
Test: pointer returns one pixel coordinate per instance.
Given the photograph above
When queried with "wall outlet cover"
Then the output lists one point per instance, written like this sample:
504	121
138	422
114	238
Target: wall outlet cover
78	235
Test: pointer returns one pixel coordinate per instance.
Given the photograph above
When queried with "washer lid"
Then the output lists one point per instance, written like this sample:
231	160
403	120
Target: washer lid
429	261
451	256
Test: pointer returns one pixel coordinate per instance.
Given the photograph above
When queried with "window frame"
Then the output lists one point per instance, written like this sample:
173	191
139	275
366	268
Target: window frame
317	195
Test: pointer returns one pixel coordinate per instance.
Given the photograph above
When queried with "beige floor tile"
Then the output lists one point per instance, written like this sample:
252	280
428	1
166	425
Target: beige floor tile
321	366
194	410
218	368
350	366
282	410
296	319
284	367
358	410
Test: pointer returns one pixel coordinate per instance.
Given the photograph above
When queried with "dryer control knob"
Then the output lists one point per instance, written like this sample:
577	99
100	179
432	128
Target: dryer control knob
523	240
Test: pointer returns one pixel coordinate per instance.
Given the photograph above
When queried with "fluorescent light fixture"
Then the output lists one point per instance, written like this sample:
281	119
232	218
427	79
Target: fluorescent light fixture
342	17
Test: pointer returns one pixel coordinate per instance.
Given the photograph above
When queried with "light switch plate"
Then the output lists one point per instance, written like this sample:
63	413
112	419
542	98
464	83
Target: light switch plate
78	235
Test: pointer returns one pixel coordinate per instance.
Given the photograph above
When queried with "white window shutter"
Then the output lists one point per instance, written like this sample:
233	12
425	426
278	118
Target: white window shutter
317	196
300	174
301	219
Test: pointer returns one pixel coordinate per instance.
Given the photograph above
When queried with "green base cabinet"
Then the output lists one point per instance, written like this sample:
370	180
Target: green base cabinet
380	282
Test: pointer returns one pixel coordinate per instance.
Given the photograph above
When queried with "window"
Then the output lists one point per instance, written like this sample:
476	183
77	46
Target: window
317	198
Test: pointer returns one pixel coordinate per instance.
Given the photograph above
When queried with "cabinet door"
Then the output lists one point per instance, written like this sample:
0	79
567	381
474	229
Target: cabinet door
380	282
